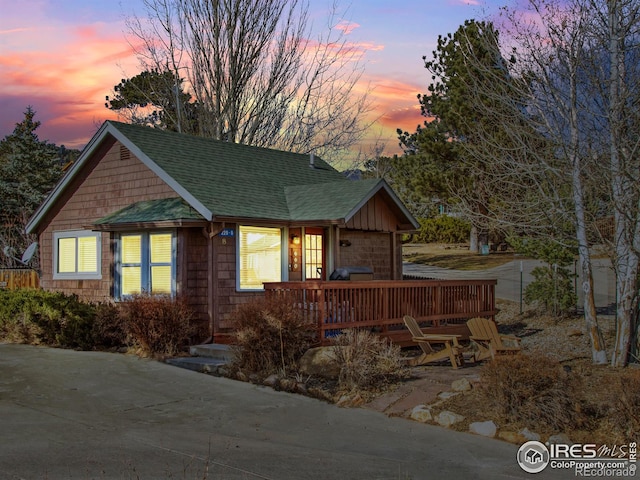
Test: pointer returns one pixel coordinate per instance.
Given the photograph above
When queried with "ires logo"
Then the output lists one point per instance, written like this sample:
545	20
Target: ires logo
587	459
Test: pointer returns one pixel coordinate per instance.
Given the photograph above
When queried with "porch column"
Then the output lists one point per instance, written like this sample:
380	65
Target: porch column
394	257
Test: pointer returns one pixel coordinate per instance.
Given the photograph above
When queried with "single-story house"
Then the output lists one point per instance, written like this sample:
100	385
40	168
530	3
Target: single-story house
146	210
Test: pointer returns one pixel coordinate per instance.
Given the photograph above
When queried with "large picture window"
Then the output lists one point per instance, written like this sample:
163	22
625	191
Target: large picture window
260	257
76	255
146	263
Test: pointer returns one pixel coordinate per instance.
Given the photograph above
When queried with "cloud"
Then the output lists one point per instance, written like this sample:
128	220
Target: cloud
346	26
64	72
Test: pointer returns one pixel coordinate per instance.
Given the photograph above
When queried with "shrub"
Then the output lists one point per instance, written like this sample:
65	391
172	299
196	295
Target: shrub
534	391
158	324
108	328
625	405
366	360
270	335
552	289
42	317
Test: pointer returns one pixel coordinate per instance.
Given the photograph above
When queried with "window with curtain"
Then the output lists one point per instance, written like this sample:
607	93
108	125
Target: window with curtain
260	257
147	263
76	255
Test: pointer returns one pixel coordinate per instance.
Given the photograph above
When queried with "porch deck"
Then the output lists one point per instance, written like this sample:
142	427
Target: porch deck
442	305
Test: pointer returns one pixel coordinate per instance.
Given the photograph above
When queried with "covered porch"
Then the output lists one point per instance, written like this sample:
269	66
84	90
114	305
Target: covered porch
443	306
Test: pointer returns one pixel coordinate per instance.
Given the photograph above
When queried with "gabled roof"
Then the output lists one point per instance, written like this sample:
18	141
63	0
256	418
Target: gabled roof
221	180
166	209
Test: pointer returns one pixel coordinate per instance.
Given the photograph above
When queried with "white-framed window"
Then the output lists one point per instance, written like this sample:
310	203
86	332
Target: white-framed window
259	256
77	255
146	262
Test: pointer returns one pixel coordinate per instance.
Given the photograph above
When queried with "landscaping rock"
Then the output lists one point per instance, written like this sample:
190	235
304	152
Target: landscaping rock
271	380
574	332
446	418
529	435
421	413
486	429
320	361
446	395
461	385
560	438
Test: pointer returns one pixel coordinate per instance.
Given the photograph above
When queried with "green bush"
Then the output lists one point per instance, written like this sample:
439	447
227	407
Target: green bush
157	324
43	317
443	229
552	287
270	336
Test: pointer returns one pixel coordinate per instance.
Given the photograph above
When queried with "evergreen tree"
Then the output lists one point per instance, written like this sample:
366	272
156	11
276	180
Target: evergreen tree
29	169
445	170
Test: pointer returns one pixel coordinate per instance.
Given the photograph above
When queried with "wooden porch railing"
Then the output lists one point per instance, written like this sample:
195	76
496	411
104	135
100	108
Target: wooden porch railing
13	278
443	305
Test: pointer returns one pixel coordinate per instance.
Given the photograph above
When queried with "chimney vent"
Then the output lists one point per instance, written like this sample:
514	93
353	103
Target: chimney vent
312	160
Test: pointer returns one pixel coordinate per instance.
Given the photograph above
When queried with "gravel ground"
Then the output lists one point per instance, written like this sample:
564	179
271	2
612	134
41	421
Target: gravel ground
563	339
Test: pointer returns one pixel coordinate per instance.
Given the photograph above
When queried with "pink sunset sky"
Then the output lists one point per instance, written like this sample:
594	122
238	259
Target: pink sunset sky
62	57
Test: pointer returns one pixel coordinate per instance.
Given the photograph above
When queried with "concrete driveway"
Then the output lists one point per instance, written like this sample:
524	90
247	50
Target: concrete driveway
85	415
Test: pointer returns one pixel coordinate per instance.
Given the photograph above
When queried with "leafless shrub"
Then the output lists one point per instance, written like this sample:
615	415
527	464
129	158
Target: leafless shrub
532	390
158	324
624	394
366	360
270	336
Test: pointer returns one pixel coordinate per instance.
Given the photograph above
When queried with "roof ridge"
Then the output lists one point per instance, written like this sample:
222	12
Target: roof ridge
160	131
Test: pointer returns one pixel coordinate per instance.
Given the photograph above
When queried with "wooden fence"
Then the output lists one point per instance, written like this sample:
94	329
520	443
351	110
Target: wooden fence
13	278
442	305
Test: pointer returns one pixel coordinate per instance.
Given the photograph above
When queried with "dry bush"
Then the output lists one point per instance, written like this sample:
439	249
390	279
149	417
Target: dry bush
270	336
624	394
532	390
366	360
157	324
108	327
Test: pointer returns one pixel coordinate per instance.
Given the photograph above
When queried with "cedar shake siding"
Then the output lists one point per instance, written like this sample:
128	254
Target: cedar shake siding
114	180
367	249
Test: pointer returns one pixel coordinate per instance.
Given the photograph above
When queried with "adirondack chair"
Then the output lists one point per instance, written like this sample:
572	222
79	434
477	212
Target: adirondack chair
484	334
426	341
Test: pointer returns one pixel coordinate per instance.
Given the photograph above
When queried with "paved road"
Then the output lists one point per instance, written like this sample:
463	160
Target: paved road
85	415
513	277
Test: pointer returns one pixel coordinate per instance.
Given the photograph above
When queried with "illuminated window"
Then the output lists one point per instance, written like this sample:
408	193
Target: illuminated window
146	263
313	254
76	255
260	257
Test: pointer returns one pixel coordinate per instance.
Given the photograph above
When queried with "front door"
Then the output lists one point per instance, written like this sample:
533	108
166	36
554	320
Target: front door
314	253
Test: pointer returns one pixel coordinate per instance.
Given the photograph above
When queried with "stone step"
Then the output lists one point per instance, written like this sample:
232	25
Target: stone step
216	351
197	364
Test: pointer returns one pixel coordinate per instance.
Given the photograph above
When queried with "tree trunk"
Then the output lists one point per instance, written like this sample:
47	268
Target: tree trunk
473	240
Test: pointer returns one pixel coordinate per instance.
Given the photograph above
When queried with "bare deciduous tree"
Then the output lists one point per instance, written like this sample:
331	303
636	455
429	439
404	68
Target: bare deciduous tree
257	74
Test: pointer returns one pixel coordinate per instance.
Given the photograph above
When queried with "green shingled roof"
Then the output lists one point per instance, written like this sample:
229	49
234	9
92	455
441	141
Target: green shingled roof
231	180
217	180
167	209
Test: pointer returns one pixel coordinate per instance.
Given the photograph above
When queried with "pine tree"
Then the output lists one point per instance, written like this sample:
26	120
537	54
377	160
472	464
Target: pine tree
29	169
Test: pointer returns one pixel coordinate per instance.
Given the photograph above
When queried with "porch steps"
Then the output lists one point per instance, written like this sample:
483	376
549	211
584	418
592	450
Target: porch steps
204	358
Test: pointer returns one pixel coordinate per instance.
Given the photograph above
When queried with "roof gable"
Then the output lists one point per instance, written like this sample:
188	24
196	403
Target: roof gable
229	179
